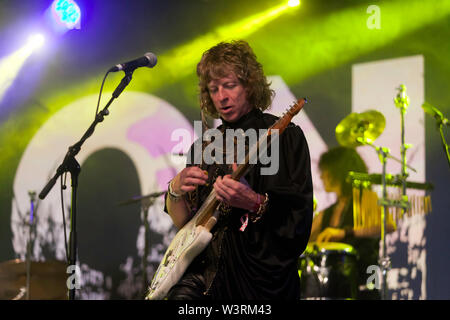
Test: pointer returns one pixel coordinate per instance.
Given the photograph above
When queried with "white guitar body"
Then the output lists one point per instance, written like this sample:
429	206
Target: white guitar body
188	243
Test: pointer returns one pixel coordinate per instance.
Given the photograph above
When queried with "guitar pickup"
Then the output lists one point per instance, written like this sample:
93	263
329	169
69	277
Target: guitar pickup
166	260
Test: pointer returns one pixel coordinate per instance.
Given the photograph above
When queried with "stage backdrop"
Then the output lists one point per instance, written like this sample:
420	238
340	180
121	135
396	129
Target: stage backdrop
344	57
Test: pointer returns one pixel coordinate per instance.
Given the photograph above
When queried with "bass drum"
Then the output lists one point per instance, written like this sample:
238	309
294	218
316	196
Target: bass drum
328	270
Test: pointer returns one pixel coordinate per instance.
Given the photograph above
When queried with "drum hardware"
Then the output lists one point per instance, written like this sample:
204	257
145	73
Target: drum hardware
142	199
146	202
28	279
367	212
328	271
311	268
367	180
362	129
31	226
402	102
368	126
384	202
47	280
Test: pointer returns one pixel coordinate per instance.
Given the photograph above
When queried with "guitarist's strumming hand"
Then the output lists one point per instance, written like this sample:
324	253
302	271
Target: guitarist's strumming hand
185	181
234	193
188	179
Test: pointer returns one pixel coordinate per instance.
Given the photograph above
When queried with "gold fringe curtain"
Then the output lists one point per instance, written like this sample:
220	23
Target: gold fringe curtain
367	211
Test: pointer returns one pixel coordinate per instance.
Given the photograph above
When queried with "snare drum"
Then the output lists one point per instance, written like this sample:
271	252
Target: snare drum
328	270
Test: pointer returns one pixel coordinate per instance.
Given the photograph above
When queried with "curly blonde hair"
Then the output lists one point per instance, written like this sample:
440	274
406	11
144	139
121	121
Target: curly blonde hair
236	57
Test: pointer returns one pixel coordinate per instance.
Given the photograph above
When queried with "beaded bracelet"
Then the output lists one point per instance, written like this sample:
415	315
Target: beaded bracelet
262	208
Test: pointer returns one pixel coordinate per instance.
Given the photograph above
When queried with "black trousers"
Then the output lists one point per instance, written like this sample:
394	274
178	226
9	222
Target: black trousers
190	287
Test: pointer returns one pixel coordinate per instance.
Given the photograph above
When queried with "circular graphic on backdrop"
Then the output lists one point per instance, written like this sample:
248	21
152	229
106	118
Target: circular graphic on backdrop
137	131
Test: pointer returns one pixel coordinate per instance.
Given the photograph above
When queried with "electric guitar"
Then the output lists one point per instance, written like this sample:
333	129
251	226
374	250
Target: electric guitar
195	235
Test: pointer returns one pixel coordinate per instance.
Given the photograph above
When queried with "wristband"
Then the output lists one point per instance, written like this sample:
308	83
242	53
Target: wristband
261	209
173	195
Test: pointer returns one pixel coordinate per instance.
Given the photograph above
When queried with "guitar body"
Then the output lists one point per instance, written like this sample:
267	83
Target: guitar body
195	236
188	243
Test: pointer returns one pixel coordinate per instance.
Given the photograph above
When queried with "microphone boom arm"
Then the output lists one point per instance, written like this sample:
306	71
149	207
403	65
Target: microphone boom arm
444	144
440	121
73	150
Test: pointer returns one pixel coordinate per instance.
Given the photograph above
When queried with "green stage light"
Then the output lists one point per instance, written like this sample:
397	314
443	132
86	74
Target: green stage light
173	66
338	37
180	61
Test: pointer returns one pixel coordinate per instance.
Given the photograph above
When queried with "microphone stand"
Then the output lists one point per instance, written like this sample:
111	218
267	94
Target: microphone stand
444	143
71	165
440	121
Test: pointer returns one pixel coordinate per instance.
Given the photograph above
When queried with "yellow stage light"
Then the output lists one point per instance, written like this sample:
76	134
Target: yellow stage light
11	65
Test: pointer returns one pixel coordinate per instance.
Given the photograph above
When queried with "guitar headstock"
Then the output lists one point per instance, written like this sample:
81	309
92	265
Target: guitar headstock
294	109
282	123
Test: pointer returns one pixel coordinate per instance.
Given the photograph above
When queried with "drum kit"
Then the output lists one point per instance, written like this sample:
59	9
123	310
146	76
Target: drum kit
35	280
47	280
327	270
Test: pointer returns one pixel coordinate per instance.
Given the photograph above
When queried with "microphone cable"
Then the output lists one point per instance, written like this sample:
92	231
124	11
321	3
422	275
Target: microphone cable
100	94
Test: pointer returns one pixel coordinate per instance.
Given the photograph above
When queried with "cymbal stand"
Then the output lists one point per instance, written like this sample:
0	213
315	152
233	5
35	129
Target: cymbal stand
384	202
146	204
30	231
402	102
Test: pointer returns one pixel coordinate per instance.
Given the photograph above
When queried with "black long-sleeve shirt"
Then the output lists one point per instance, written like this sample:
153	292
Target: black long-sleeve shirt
261	261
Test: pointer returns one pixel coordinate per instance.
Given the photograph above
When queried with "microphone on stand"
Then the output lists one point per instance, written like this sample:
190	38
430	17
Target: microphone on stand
148	60
433	111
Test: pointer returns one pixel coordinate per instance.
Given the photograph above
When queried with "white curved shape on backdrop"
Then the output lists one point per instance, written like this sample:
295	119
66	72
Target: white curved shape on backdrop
139	125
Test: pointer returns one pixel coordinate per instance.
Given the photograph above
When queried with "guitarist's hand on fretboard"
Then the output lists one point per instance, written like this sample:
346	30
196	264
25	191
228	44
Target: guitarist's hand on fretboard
186	181
234	193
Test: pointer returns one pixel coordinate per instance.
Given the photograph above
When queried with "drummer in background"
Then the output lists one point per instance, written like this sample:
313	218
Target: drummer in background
335	224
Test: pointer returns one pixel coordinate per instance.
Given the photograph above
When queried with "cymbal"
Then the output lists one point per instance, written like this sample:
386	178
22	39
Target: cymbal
47	280
140	198
356	128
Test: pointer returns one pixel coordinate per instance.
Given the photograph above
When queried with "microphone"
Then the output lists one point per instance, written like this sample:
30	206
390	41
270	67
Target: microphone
148	60
428	108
